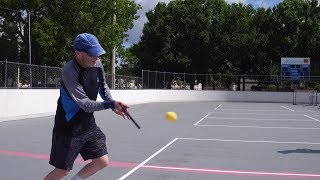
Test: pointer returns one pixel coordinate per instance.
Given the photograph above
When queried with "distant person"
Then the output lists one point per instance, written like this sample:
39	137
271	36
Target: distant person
75	130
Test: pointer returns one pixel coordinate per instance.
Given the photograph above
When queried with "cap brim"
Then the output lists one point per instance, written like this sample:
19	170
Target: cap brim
96	51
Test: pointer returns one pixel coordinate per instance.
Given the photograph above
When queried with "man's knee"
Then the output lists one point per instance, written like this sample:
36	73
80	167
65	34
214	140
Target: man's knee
102	162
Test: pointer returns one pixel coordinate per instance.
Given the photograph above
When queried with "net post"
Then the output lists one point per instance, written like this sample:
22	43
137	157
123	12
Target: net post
294	98
316	103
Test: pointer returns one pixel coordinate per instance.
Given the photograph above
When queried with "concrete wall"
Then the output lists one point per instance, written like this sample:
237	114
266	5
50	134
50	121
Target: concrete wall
24	103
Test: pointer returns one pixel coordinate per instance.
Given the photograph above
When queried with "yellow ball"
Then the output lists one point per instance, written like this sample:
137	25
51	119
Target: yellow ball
171	116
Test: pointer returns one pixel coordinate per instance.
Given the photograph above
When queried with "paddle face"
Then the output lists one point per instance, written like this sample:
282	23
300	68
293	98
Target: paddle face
130	117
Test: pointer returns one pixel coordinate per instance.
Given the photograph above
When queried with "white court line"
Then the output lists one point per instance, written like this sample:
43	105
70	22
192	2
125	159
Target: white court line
221	140
218	107
315	115
260	114
251	110
202	119
287	108
306	111
145	161
206	115
254	119
261	127
312	118
250	141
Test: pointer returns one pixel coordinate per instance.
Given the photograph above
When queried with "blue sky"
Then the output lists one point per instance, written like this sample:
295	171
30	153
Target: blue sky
136	32
258	3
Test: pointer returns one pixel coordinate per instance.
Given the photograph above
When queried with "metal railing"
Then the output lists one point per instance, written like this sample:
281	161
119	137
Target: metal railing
125	82
185	81
18	75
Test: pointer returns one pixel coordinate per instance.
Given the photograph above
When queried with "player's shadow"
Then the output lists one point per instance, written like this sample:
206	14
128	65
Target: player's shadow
311	151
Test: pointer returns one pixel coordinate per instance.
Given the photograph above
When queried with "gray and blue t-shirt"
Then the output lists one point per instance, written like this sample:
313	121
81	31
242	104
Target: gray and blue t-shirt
78	94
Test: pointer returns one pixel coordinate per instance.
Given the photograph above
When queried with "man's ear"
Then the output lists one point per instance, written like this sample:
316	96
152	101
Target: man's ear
77	52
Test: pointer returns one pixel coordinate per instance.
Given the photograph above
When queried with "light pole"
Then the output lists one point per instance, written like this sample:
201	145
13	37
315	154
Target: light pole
29	34
113	57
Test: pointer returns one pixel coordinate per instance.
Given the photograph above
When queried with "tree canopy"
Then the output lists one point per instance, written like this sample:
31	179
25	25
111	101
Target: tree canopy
196	36
212	36
55	23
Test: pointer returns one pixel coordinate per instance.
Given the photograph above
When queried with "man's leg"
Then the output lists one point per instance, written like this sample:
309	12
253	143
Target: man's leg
94	166
64	151
57	174
95	149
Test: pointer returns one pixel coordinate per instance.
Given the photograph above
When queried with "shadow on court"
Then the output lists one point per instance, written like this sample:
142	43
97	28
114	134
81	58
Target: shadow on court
299	151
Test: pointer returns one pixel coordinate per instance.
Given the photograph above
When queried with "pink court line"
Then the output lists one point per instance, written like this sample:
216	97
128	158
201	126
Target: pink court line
47	157
168	168
232	172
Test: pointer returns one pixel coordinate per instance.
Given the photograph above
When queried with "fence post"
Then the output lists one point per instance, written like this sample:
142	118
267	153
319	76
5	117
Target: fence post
30	74
142	78
184	79
18	77
164	80
148	78
5	73
155	83
207	82
45	75
277	83
195	79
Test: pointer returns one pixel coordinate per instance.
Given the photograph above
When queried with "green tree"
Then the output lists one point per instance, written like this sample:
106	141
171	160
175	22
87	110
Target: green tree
266	53
297	27
64	19
298	30
237	39
217	8
154	47
128	63
14	28
56	23
177	35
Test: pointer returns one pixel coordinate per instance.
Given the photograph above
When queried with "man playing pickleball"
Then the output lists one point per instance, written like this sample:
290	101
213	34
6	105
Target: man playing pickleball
75	130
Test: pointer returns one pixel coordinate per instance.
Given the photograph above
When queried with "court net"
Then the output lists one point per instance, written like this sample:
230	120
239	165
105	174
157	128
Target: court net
305	97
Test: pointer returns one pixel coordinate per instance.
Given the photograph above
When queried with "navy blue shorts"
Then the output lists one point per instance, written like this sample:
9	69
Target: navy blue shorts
65	149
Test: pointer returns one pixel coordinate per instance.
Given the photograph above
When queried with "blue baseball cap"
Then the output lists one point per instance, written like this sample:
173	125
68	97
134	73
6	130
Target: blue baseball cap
89	44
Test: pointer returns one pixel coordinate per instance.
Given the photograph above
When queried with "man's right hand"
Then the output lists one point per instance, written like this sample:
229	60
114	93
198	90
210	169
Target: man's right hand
120	110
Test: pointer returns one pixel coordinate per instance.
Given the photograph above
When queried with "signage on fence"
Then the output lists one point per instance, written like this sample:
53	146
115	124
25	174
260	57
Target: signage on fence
295	69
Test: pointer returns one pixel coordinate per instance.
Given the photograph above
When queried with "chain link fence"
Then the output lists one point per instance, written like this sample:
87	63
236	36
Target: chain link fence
18	75
125	82
172	80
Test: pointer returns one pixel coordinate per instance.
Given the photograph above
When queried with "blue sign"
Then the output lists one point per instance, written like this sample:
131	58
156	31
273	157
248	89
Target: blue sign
295	69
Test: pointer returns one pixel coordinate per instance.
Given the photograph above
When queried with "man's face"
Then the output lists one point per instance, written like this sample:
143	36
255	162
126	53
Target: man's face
85	60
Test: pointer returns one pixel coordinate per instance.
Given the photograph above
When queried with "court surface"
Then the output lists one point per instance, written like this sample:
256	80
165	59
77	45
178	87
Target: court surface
210	140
